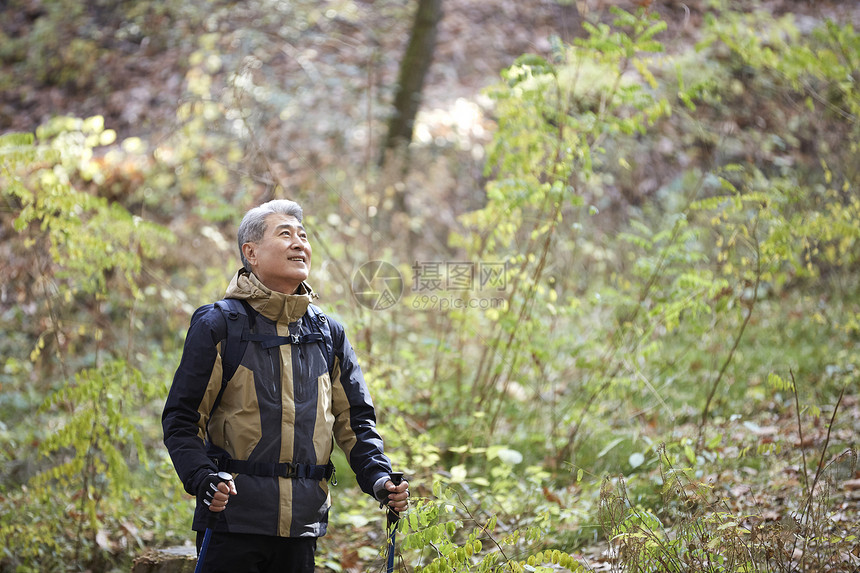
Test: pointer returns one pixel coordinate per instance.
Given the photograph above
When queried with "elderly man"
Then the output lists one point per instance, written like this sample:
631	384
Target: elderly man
270	419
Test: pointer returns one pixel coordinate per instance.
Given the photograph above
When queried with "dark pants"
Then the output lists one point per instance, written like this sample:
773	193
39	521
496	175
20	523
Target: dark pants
246	553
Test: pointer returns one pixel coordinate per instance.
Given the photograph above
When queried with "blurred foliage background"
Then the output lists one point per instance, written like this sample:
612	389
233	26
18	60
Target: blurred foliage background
628	337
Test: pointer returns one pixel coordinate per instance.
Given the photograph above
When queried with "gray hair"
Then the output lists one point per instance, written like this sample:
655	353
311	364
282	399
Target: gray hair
253	225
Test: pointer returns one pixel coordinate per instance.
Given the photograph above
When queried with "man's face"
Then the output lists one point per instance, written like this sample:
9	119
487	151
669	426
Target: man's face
282	258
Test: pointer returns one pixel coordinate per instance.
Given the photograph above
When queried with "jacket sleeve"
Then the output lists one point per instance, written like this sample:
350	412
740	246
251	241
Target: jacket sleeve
355	418
195	384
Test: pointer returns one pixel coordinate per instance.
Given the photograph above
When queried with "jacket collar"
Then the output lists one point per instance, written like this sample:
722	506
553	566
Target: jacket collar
273	305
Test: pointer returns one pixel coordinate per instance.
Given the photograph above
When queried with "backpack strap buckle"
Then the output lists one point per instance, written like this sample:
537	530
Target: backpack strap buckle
288	470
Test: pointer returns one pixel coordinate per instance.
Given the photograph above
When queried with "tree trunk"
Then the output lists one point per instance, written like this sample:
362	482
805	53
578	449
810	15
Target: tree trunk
171	560
413	69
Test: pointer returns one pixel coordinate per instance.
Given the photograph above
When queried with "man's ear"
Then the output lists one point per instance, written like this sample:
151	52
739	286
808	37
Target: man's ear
250	252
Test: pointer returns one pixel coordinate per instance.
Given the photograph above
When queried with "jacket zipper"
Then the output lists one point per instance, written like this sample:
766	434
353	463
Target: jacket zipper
274	374
300	373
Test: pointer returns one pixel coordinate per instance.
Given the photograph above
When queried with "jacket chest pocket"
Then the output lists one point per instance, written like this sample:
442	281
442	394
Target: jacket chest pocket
310	368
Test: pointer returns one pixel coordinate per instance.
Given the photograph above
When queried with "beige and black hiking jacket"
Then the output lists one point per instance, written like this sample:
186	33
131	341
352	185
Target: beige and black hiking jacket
274	423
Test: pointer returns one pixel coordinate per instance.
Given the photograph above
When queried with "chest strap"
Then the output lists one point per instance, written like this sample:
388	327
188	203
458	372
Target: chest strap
271	340
288	470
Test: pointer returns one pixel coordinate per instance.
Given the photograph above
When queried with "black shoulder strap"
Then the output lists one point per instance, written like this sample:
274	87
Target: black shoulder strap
320	322
240	318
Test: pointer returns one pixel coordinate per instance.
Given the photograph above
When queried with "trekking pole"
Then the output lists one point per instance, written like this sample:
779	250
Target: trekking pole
210	525
393	518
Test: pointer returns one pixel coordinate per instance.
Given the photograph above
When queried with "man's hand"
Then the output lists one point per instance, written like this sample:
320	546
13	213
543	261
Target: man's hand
398	496
215	491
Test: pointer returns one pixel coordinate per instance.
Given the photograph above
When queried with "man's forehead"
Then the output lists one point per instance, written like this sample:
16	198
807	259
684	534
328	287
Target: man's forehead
279	221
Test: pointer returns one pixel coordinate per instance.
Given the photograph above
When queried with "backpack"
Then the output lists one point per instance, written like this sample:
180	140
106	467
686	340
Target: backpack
240	319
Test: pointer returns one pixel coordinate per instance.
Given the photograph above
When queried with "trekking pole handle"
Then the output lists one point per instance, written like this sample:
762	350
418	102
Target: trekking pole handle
212	519
396	478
